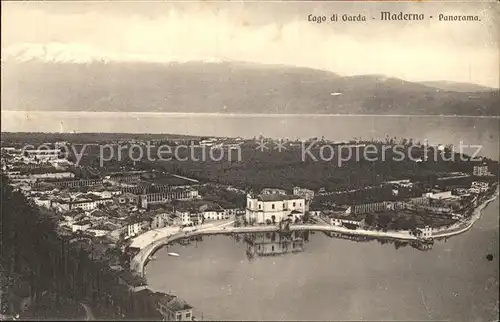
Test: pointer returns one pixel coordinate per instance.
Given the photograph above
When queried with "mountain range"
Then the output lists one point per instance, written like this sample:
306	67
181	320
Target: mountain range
37	79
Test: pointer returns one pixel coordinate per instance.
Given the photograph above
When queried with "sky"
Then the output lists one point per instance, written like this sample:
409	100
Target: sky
269	33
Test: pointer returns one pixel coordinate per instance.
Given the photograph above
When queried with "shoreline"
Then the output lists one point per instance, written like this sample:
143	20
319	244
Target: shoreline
477	213
236	115
140	260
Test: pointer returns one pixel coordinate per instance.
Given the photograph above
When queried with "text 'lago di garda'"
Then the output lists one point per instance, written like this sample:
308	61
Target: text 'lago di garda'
389	16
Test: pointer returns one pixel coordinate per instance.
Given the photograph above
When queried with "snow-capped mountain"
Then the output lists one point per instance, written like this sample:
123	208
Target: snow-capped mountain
74	77
81	54
54	52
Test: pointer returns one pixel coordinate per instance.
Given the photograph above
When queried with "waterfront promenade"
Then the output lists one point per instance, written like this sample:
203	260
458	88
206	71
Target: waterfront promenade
154	240
139	260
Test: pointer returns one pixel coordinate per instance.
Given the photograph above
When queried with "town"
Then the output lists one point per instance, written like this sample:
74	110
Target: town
249	161
120	218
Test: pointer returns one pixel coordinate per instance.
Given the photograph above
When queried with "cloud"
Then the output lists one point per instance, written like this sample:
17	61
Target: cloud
466	52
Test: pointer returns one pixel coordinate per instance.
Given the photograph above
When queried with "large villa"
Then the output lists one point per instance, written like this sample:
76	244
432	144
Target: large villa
274	207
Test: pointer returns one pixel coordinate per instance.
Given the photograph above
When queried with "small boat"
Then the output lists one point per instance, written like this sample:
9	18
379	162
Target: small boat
173	254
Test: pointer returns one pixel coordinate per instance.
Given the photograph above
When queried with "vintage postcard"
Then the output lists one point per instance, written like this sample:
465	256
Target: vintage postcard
250	160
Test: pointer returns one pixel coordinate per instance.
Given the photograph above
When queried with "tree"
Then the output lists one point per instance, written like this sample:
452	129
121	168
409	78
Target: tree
413	222
174	204
40	257
370	219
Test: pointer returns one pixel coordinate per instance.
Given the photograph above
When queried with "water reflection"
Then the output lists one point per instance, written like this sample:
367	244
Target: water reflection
275	243
186	241
344	278
280	243
422	245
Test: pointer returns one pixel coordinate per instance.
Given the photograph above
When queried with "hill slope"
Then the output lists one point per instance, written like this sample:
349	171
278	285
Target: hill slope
223	87
458	87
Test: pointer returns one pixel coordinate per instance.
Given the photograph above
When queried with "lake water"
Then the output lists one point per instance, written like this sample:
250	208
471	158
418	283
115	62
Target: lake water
331	279
483	131
336	279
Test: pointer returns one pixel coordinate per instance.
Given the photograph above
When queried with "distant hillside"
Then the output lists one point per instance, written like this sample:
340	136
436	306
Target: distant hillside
224	87
458	87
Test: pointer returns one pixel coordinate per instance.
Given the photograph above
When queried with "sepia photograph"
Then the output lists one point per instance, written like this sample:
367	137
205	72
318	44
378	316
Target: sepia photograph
250	160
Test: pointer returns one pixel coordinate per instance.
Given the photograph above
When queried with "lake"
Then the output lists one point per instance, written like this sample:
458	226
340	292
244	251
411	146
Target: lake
484	131
337	279
330	279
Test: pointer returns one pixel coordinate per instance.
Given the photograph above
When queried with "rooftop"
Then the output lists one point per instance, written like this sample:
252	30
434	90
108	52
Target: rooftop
169	180
276	197
105	226
83	222
98	213
135	220
131	279
123	175
217	209
178	305
145	292
127	195
339	215
174	303
156	211
74	212
194	205
163	298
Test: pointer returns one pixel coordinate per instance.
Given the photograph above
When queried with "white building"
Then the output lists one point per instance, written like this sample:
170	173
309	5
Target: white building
273	191
274	208
98	232
208	142
42	202
439	195
214	214
128	198
480	170
87	205
424	233
165	197
43	154
53	175
134	227
341	221
103	194
479	186
16	176
175	309
81	225
184	217
189	217
10	149
60	163
307	194
231	212
303	192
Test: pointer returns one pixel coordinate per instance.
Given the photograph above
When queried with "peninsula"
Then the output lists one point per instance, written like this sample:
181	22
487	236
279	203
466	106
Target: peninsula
106	220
